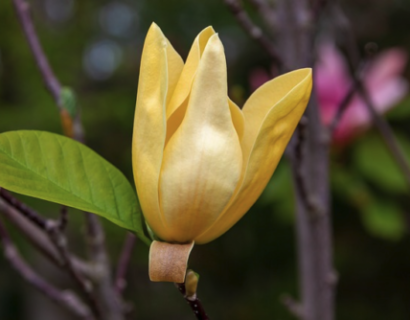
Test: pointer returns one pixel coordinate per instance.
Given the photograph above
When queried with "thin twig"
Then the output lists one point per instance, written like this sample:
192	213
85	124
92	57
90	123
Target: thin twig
294	307
318	7
346	32
105	288
381	124
123	263
65	298
108	296
58	240
344	104
51	82
313	224
253	30
260	4
268	13
342	108
194	303
84	284
307	196
62	223
40	239
295	40
387	134
29	213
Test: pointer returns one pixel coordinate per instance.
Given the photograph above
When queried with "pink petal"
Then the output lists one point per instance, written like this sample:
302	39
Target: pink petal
388	95
382	79
387	65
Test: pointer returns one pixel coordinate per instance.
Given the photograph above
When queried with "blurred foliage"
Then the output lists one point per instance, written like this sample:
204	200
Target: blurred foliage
94	48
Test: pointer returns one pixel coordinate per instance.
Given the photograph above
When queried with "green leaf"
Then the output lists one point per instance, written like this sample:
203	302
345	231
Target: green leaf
58	169
384	220
375	162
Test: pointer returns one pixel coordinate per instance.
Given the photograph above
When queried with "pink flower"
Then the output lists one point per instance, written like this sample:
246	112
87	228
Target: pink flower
332	82
382	80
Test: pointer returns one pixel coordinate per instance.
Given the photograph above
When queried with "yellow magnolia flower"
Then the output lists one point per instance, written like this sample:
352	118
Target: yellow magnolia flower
200	162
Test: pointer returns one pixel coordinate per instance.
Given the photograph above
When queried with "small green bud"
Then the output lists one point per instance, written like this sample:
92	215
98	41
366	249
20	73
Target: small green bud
69	101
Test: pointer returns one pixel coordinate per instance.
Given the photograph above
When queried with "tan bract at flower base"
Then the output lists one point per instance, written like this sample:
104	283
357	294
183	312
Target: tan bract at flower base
200	162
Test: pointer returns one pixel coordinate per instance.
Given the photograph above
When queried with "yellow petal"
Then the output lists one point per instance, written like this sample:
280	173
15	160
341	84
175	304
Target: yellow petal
176	107
237	118
158	58
175	65
186	78
203	159
271	115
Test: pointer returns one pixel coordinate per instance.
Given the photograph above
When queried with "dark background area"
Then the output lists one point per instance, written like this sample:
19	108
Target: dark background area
94	47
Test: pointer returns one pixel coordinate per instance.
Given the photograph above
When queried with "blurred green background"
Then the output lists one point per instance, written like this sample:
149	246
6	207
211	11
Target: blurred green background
95	47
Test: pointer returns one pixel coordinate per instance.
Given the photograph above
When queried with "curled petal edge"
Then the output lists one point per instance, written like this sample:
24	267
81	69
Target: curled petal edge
168	261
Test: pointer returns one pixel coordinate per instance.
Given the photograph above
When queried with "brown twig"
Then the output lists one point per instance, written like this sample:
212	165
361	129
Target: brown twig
344	104
267	12
310	164
51	82
84	284
387	134
294	307
318	6
309	156
39	238
194	302
313	226
381	124
260	4
53	229
307	196
65	298
123	263
253	30
107	295
62	222
346	33
342	108
58	241
29	213
72	126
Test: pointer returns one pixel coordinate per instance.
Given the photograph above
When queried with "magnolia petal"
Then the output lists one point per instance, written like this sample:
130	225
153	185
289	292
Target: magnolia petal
175	64
332	78
237	118
186	78
387	65
271	115
203	159
176	106
389	95
150	126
